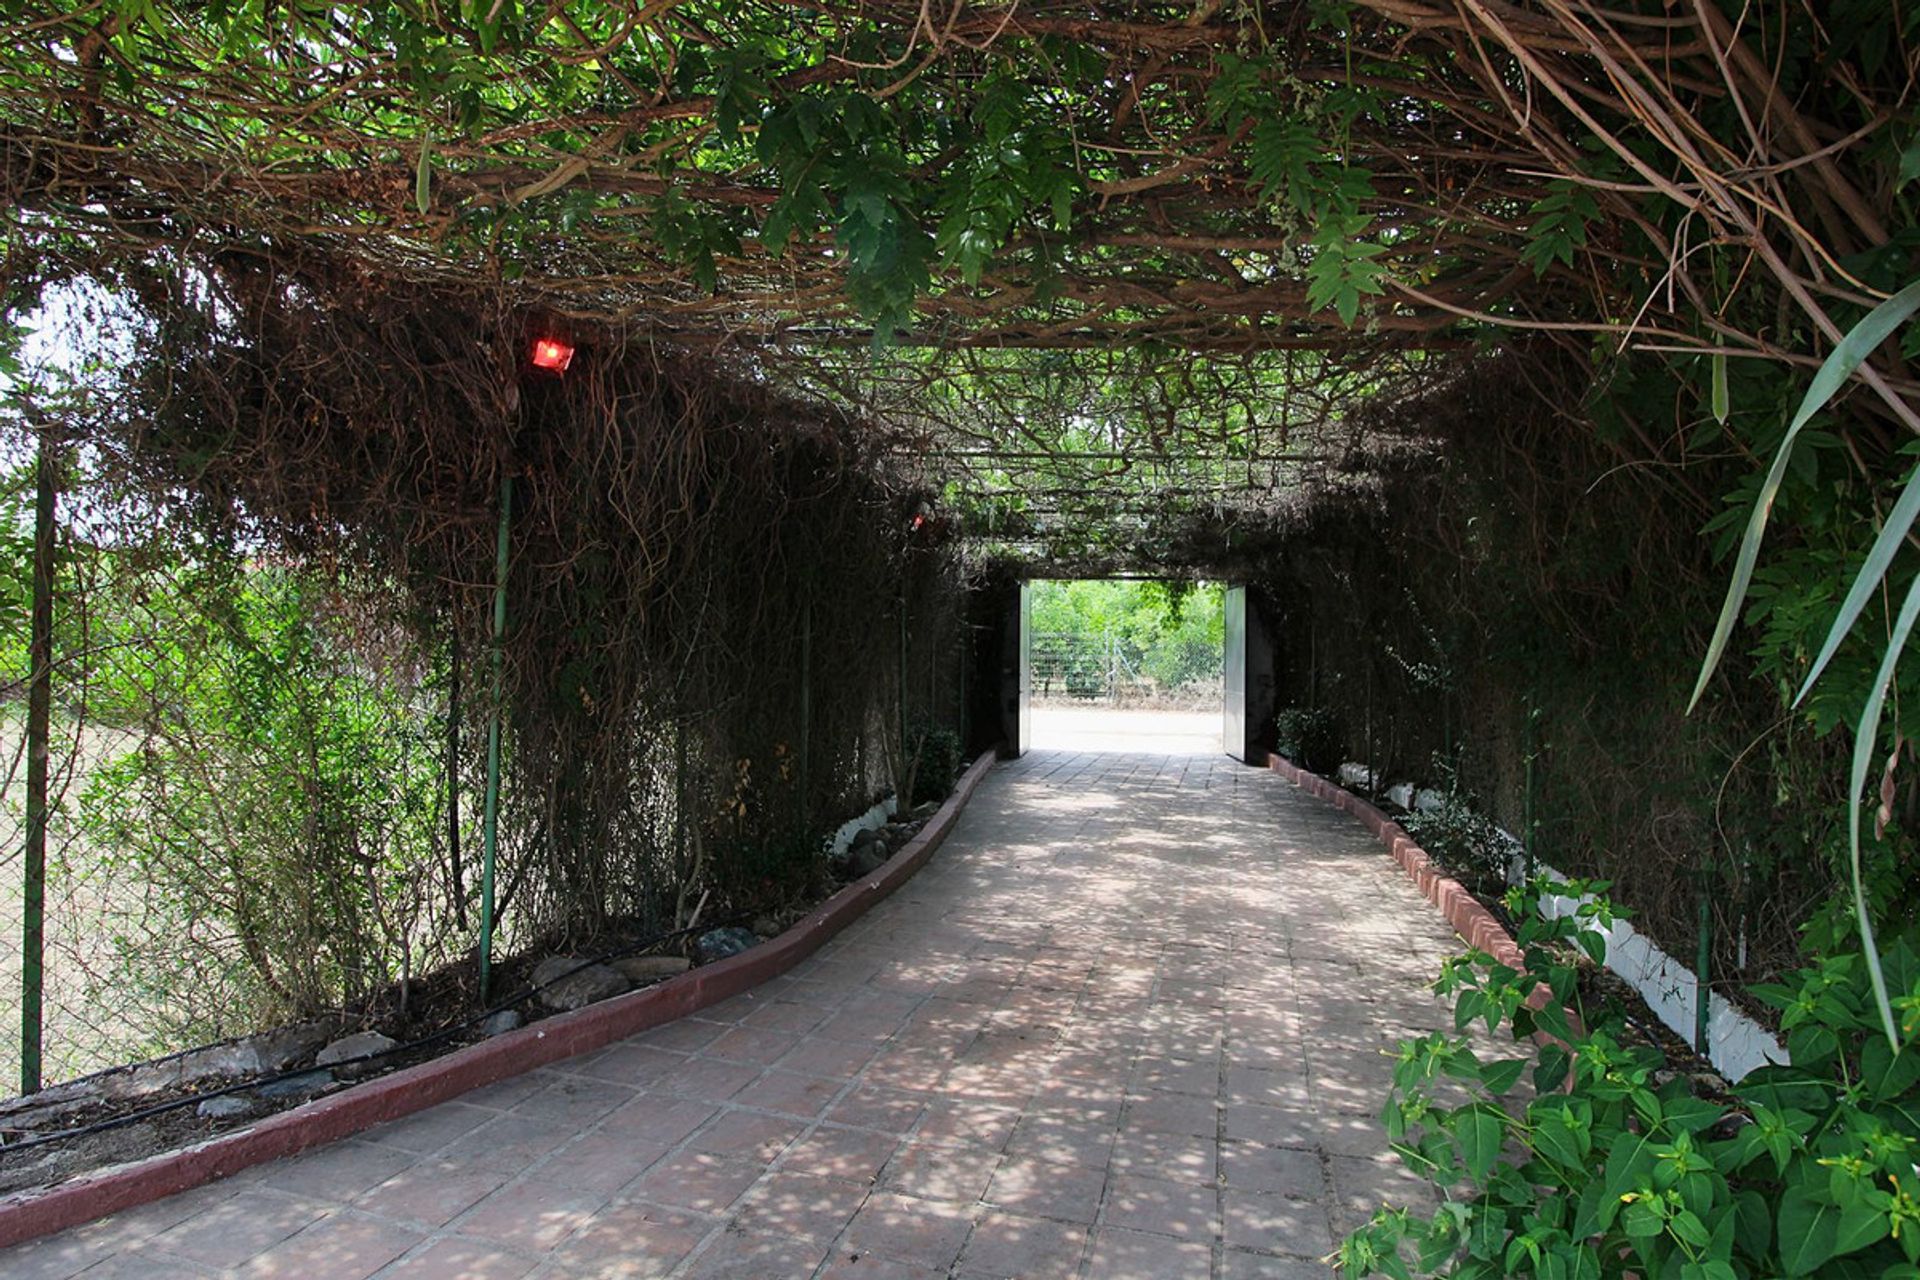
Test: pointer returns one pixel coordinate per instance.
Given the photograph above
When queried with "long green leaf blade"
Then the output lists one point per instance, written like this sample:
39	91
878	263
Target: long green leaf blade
1847	357
1864	739
1879	560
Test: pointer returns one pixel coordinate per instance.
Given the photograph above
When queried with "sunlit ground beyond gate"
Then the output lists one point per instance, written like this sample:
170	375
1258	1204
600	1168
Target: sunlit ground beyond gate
1095	728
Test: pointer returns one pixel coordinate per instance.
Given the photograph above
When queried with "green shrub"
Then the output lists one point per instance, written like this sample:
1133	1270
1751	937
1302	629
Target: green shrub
1464	841
936	762
1611	1167
1308	737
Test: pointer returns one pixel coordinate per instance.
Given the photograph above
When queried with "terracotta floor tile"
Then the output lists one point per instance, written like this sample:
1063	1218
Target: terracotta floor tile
852	1155
433	1192
345	1246
236	1230
745	1255
1131	1255
696	1180
529	1217
799	1205
907	1230
628	1240
1168	1208
456	1259
747	1134
1041	1188
1007	1245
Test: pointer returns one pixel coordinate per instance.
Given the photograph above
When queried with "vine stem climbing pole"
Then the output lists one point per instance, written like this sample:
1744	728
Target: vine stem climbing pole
490	822
39	725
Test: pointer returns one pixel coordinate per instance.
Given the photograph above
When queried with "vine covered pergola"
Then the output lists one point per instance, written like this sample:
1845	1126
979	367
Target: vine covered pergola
1365	177
880	201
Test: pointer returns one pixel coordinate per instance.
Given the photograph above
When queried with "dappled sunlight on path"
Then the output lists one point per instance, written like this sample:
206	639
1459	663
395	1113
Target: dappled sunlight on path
1130	1022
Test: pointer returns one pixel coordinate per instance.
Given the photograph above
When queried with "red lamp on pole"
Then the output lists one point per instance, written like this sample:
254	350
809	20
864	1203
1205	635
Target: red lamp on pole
552	354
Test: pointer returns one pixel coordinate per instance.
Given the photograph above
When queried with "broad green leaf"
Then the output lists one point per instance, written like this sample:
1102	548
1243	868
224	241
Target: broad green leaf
1753	1222
1708	1271
1502	1075
1479	1130
1909	165
1860	1225
1557	1140
1596	1212
1847	357
1629	1164
1809	1228
1888	1073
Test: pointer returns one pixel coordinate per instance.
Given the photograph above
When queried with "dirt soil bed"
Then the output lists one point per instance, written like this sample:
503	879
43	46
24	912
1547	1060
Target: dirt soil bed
108	1119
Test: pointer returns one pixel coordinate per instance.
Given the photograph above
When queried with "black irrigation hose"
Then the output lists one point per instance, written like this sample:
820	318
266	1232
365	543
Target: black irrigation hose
431	1038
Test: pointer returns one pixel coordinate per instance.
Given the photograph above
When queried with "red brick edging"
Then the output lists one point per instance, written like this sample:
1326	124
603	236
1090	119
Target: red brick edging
27	1214
1469	919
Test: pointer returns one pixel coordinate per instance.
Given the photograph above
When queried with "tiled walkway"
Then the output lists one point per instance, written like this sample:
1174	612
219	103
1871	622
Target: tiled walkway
1128	1022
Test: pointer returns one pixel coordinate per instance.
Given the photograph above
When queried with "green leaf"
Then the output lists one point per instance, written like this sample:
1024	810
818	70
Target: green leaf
1642	1219
1860	1225
1560	1139
1596	1212
1629	1165
1888	1073
1909	165
1502	1075
423	174
1864	738
1846	358
1867	581
1708	1271
1479	1129
1753	1222
1809	1230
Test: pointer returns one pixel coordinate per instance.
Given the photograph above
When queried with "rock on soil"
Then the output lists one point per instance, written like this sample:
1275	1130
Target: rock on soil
358	1045
228	1106
645	969
287	1046
718	944
500	1023
864	857
296	1086
576	990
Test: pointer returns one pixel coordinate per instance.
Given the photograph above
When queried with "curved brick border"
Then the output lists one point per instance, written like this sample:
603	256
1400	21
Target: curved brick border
1469	919
36	1213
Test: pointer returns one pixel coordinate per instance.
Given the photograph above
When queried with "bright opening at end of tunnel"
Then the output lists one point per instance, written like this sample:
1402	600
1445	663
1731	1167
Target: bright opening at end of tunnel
1126	666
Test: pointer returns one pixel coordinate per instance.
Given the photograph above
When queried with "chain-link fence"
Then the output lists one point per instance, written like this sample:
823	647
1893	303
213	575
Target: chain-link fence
276	671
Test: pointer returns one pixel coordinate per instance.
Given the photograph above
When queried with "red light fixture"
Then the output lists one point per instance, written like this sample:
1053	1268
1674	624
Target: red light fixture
552	354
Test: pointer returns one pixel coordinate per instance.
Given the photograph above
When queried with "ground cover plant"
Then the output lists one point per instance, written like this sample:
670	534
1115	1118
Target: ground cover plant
1585	1157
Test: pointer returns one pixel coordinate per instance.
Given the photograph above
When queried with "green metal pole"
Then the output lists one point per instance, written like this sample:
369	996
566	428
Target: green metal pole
806	713
902	803
39	737
490	826
1703	957
1529	818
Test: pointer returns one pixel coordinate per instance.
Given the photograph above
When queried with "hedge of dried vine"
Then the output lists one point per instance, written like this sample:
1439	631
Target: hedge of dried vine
683	540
